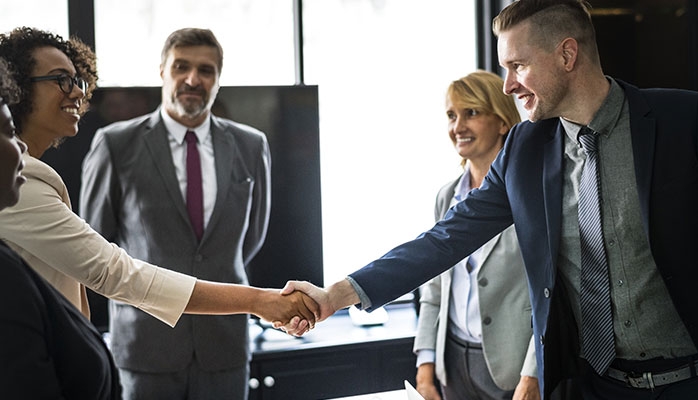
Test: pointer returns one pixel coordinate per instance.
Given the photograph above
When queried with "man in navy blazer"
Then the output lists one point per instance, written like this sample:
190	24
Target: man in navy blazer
648	151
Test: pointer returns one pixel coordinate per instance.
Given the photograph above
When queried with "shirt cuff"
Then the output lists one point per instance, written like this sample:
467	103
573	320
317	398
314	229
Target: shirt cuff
364	301
168	296
425	356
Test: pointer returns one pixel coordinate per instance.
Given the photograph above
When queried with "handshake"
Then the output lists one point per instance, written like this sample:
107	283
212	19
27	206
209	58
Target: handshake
299	305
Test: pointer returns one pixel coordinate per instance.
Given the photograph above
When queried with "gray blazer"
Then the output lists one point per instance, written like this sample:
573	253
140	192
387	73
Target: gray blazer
130	195
505	308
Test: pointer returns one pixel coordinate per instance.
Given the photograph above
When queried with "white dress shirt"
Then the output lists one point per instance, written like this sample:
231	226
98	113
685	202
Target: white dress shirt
464	306
175	136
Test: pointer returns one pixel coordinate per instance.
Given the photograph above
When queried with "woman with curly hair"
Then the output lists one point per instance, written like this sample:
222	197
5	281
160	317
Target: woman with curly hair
48	349
56	79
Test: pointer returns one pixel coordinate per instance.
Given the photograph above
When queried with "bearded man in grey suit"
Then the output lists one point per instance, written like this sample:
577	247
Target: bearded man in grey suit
136	188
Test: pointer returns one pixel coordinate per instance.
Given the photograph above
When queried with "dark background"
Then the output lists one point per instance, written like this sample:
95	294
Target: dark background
649	43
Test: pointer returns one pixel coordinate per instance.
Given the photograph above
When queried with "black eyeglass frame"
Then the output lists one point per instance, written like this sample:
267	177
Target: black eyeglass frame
62	80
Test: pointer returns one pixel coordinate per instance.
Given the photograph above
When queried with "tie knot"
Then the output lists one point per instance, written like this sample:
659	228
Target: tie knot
190	137
588	139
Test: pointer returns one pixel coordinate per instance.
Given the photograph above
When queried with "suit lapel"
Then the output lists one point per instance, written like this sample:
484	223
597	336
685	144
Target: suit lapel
155	138
487	250
642	135
552	186
225	154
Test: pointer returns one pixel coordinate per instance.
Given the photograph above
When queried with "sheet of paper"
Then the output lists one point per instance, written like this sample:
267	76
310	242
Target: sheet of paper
412	393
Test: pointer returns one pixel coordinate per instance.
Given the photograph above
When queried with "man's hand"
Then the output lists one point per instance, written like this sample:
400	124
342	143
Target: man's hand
337	296
296	309
527	389
320	295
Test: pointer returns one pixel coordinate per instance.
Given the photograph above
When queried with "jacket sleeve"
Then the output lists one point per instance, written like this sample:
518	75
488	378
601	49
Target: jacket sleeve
99	192
429	306
430	292
465	228
28	370
50	236
261	203
529	367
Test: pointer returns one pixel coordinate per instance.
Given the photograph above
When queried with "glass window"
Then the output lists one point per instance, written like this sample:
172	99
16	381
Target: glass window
382	68
53	15
256	35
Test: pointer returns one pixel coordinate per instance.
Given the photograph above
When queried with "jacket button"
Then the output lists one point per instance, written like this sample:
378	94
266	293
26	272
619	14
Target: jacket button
546	293
198	257
484	282
487	320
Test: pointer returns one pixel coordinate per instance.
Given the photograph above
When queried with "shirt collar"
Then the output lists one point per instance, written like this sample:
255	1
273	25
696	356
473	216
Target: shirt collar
463	186
606	116
177	130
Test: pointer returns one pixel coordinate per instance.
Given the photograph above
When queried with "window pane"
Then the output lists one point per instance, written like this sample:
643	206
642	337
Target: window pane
52	15
382	67
256	35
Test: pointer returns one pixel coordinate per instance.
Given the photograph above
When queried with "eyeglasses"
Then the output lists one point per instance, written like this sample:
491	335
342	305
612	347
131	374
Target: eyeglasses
65	82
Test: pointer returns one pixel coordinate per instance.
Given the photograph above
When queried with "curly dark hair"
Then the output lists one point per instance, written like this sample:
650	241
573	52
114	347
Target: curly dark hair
9	91
17	47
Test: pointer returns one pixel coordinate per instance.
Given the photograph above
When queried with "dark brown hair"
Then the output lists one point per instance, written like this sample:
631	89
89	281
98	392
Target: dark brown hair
17	46
192	37
9	91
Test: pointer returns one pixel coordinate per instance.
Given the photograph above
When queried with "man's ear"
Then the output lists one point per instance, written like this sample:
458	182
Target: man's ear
569	49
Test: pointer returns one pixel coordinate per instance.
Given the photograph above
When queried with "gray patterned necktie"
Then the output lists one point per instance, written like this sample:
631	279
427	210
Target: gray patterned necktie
597	320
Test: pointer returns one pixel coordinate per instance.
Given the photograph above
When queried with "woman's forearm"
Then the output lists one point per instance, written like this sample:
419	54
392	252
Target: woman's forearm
268	304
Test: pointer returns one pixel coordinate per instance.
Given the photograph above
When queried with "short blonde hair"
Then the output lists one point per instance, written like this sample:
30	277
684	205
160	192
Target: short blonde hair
483	91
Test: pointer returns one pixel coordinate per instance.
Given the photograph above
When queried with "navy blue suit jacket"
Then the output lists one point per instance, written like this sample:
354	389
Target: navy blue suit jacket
524	186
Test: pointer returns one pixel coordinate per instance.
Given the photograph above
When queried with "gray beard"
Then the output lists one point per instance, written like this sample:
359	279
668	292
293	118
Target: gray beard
190	112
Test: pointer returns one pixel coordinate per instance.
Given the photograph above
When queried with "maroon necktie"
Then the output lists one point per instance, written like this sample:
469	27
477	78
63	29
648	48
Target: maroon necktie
195	195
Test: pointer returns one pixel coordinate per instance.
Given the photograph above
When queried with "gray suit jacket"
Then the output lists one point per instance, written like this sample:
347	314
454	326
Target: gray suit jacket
505	308
130	195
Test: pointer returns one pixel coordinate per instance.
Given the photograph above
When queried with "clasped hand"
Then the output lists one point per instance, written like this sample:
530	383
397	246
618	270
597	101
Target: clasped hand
294	310
298	325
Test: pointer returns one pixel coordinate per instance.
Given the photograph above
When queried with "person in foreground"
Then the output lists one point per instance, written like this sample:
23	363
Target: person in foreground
141	168
56	78
612	280
472	357
48	349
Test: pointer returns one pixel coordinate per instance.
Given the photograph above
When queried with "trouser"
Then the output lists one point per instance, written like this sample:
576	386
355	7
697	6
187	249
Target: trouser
468	376
192	383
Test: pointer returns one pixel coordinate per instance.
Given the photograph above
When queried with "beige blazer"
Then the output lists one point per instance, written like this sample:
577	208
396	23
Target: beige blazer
505	308
68	253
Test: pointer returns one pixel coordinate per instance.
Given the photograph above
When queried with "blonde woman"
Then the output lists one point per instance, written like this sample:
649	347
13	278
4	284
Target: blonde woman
474	325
